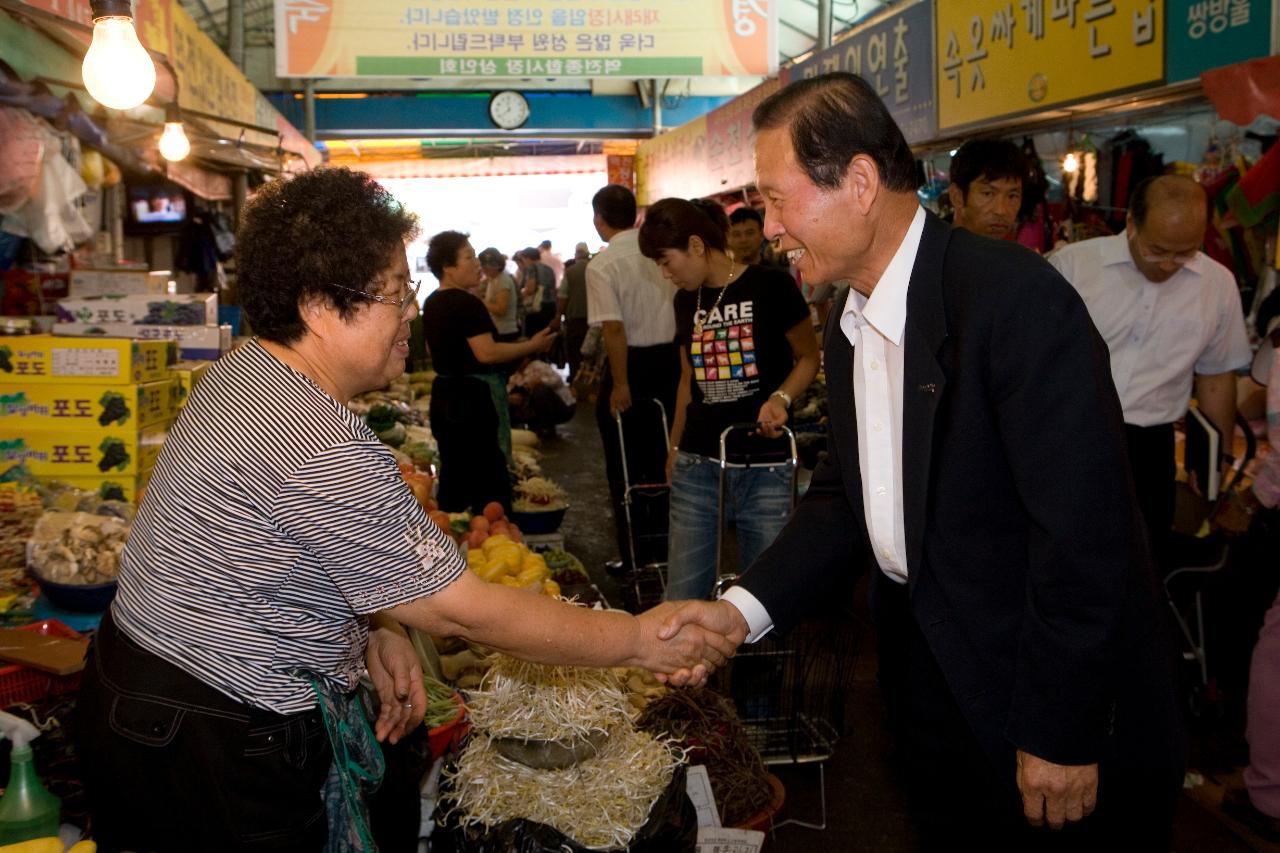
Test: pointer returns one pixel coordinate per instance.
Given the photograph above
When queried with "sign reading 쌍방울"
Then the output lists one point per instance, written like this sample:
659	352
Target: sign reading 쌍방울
540	38
996	58
893	54
1206	34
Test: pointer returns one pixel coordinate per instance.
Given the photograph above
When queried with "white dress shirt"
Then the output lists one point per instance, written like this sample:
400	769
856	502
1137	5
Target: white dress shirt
624	285
874	326
1159	334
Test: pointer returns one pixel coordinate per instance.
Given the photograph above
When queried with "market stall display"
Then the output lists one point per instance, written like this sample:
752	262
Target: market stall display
604	799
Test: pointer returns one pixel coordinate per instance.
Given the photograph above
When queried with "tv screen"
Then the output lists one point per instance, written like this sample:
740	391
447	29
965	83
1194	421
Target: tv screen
156	207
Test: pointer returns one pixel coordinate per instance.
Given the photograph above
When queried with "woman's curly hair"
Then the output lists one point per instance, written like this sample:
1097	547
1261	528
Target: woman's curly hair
316	233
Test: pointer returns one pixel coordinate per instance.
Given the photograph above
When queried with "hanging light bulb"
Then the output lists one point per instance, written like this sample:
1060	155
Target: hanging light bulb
174	144
117	70
1071	163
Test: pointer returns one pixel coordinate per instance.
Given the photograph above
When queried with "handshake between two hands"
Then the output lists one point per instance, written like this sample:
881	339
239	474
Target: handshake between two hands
683	642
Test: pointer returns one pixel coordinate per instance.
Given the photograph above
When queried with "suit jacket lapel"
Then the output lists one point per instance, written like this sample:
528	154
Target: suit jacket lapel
923	383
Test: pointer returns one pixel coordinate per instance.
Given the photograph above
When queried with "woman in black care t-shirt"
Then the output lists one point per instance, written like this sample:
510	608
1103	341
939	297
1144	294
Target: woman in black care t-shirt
747	349
469	396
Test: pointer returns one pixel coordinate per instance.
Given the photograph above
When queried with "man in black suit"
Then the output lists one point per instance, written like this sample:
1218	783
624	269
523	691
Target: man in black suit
977	467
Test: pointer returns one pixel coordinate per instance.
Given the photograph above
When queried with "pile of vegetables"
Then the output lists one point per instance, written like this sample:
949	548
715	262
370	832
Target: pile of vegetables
566	569
599	802
441	708
538	494
707	726
501	560
76	547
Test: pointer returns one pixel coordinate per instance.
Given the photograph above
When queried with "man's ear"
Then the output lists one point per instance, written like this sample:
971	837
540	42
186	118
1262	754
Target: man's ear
957	197
862	182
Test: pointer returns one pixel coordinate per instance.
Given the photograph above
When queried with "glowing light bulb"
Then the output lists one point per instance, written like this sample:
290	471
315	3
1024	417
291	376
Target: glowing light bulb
1071	163
117	70
173	142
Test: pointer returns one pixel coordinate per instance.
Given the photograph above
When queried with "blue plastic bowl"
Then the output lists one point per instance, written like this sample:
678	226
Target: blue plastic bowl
83	597
536	523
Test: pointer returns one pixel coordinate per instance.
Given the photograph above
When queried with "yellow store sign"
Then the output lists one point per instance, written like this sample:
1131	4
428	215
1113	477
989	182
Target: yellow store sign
531	38
996	58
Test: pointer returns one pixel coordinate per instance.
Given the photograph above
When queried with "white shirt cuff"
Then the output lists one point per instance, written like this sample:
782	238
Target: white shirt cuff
759	622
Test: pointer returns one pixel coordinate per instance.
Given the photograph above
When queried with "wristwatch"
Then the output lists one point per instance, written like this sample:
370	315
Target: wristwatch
786	398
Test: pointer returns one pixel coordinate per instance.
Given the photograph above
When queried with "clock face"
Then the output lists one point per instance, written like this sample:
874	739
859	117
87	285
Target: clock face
508	110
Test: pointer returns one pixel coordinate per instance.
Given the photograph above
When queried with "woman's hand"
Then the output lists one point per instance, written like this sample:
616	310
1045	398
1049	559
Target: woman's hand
544	338
773	416
397	677
671	462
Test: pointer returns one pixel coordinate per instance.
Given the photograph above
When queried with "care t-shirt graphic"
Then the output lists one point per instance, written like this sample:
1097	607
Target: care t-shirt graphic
738	351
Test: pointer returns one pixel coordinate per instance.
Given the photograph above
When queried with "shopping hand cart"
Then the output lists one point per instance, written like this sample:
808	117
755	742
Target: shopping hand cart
645	509
780	451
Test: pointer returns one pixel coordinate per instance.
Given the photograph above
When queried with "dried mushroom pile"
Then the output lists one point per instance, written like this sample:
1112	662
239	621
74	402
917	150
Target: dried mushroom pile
77	548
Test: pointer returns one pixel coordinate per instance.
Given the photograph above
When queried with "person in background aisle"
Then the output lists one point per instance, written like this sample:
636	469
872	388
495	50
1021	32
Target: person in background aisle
551	259
571	303
500	297
537	292
278	553
1258	803
747	350
988	177
1172	321
539	398
746	241
469	414
629	298
977	468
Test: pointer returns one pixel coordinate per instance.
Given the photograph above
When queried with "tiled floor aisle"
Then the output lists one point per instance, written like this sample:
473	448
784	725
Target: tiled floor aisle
866	810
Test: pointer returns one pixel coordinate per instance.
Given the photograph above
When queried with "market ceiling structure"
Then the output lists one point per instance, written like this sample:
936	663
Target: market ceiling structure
797	35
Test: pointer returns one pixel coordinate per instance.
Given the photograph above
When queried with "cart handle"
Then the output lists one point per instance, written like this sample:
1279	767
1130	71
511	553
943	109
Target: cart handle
724	437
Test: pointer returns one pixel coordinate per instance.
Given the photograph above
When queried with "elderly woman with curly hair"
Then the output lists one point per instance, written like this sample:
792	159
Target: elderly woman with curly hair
278	553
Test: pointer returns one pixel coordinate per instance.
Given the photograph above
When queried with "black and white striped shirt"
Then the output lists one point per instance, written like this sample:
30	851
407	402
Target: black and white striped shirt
275	521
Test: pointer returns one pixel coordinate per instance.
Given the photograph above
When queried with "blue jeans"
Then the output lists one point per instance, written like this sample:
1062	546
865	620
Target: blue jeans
757	502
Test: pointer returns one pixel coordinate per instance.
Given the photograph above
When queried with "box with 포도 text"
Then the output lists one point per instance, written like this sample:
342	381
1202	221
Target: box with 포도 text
81	453
49	358
71	405
108	487
188	375
161	309
194	342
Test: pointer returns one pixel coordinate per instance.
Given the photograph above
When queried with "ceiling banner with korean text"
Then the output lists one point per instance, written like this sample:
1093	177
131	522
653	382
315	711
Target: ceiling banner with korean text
730	157
895	55
998	58
532	38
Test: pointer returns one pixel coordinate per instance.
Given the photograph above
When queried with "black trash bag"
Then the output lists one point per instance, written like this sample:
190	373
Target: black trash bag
672	828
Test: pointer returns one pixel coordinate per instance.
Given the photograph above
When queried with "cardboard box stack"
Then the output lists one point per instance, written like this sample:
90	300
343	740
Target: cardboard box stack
90	412
127	304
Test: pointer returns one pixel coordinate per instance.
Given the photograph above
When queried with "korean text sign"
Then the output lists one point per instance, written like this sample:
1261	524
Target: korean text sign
996	58
551	38
893	54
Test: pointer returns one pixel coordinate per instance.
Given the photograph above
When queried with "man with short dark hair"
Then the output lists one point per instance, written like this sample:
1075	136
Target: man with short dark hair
988	179
1172	321
977	468
746	235
551	259
628	297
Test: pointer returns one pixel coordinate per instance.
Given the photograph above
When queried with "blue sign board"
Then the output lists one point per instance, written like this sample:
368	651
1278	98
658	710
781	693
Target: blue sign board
895	55
1204	34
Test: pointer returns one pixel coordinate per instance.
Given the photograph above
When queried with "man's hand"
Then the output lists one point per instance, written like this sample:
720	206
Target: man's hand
620	399
719	618
397	677
1056	793
690	648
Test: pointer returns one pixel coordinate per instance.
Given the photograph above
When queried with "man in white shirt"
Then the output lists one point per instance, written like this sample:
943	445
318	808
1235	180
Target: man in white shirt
976	468
1168	313
629	298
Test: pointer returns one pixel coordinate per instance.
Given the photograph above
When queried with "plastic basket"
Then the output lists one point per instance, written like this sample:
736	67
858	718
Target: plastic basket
22	684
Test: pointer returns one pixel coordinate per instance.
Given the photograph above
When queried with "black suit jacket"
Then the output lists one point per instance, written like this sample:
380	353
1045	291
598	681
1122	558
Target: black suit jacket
1029	572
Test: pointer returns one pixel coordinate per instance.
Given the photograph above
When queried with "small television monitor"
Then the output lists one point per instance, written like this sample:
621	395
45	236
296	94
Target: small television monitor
154	208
